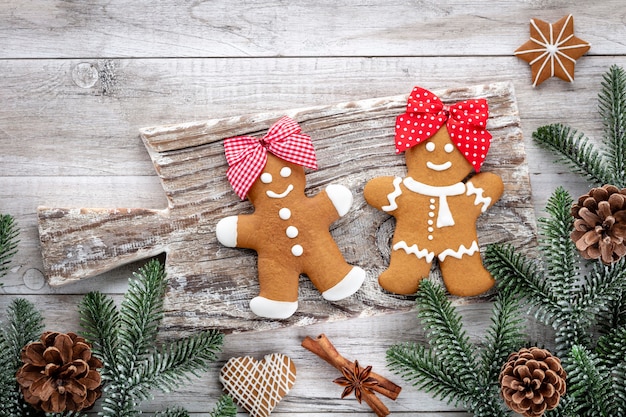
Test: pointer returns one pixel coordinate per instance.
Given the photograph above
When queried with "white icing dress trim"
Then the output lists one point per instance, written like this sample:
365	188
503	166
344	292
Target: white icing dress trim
347	286
458	254
429	256
391	197
226	231
414	250
272	194
444	217
341	197
264	307
485	201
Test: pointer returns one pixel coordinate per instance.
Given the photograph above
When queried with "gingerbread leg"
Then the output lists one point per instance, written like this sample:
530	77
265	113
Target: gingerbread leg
406	270
466	276
278	296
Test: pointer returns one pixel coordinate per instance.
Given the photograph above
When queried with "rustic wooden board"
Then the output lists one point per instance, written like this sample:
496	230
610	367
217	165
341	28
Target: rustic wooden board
211	285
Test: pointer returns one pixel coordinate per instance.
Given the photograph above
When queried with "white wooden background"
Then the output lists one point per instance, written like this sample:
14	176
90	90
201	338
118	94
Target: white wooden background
79	79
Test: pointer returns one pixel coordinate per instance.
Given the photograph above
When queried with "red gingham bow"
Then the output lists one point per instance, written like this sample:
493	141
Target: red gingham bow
247	155
466	122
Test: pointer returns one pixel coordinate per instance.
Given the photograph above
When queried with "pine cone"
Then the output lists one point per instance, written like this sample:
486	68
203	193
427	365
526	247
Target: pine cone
532	381
600	224
59	373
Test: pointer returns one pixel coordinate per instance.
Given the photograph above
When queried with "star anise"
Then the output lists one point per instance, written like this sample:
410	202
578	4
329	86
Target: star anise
356	379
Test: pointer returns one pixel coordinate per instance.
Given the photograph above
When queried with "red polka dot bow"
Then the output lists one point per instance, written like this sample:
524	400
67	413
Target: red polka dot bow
247	155
466	122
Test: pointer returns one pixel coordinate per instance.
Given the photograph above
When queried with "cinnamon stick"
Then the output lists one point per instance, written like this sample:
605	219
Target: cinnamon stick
322	347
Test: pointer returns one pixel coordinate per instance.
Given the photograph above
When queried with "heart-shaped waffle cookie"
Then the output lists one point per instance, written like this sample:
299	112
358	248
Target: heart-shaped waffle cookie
258	386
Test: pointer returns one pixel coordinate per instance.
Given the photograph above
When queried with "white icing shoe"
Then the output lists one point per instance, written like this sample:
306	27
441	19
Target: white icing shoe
264	307
347	286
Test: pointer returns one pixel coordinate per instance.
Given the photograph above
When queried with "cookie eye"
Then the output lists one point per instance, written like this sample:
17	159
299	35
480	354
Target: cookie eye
448	148
285	172
430	146
266	178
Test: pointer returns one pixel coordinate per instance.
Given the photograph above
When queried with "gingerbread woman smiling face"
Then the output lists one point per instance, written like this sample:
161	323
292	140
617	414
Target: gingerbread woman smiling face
435	205
288	230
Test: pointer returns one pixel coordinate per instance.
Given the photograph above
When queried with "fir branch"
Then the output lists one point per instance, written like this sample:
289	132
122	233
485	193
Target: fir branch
445	331
602	284
126	340
587	383
514	272
505	335
611	348
416	364
614	315
140	314
166	368
559	251
8	242
24	325
618	377
576	150
612	107
172	412
100	321
225	407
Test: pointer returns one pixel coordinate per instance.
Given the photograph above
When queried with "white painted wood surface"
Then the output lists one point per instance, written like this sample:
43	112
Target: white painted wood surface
79	79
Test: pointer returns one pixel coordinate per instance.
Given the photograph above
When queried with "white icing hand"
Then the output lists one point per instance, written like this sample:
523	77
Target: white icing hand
341	197
226	231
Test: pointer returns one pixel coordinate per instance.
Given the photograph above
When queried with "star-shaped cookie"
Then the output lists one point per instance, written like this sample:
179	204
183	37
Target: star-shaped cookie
552	49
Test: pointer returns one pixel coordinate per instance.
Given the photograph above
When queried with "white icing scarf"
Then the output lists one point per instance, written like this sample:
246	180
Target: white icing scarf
444	216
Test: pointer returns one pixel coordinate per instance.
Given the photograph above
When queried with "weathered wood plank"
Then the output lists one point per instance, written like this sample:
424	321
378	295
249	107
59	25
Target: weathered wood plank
313	392
210	285
54	127
218	28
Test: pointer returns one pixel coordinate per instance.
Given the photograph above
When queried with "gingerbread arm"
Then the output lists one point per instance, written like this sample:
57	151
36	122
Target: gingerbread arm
486	188
232	231
381	193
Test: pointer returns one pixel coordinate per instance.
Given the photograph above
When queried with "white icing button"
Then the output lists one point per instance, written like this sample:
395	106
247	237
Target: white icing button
430	237
284	213
297	250
432	206
292	231
266	178
430	229
431	214
430	222
285	172
432	201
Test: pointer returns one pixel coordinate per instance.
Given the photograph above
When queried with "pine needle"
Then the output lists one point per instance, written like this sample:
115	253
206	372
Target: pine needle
135	361
576	150
8	242
24	325
612	107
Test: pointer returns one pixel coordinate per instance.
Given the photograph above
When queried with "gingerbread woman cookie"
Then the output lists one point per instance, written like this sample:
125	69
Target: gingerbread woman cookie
436	206
288	230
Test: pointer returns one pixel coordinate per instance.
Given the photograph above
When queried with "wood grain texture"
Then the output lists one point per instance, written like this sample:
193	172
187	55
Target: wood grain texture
210	285
219	28
81	78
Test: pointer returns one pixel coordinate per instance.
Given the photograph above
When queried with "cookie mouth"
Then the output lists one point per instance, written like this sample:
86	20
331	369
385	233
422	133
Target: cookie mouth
272	194
439	167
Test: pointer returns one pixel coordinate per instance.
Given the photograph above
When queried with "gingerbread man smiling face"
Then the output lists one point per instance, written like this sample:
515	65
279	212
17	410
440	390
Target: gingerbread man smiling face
435	205
288	230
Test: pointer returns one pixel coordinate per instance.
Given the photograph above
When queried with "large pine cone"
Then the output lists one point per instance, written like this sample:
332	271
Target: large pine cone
600	224
532	381
59	373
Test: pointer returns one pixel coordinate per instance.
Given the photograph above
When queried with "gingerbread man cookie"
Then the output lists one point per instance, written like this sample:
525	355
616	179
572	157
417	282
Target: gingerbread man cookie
436	206
288	230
